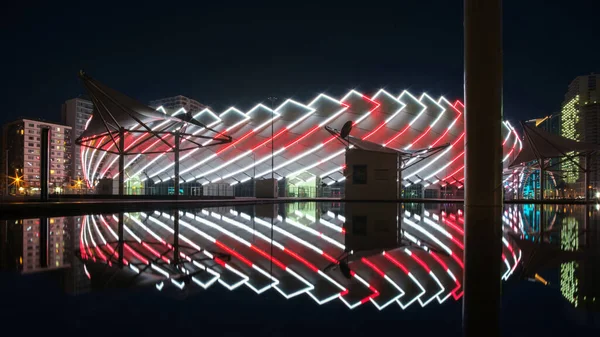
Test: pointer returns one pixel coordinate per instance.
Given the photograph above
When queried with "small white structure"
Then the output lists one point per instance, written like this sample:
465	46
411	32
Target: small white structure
371	175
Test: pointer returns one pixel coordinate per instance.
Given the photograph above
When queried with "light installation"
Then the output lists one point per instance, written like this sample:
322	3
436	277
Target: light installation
304	152
290	254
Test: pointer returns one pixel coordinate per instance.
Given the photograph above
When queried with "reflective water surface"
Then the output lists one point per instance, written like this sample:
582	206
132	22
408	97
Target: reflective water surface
345	267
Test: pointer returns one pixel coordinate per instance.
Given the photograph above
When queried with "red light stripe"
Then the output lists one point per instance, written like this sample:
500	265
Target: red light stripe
370	264
301	259
458	243
237	141
422	135
303	136
376	129
328	257
448	129
420	262
269	140
458	140
458	285
102	256
398	264
234	253
219	261
458	260
453	173
439	260
397	135
137	255
269	257
157	254
454	226
440	138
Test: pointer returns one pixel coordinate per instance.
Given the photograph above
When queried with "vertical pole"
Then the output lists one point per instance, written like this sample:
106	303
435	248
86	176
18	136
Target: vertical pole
121	238
121	161
176	181
272	147
44	166
542	180
483	166
587	178
43	242
176	238
542	222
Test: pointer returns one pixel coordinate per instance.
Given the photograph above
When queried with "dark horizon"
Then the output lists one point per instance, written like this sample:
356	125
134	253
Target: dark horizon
238	56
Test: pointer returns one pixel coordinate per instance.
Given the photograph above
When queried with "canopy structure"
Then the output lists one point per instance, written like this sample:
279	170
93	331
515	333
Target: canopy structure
123	126
539	146
116	115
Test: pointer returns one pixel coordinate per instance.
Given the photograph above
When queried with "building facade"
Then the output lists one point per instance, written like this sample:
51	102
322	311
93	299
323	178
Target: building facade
75	113
178	102
22	147
580	120
291	144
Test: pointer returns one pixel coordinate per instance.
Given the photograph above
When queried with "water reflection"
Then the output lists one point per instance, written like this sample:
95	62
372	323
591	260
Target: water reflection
384	254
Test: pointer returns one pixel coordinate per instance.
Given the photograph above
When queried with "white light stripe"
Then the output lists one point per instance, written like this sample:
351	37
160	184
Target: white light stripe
426	233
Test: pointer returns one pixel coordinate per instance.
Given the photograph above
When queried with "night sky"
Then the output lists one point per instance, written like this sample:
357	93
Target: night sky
227	53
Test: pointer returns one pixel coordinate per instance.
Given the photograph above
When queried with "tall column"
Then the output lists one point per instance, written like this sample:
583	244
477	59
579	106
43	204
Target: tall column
176	179
121	161
44	163
483	166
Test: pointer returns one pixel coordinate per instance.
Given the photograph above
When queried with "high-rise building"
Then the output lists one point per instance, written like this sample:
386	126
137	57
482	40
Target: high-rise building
579	278
75	113
178	102
22	151
580	120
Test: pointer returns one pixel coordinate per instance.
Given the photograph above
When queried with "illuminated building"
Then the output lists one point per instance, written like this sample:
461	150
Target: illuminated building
33	247
230	248
580	120
579	279
22	140
307	160
75	113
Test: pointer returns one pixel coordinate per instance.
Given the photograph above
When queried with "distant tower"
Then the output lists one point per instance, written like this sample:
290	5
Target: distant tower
75	113
580	120
178	102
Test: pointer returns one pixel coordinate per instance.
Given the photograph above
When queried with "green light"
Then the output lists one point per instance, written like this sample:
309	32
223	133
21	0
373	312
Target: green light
569	241
569	120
